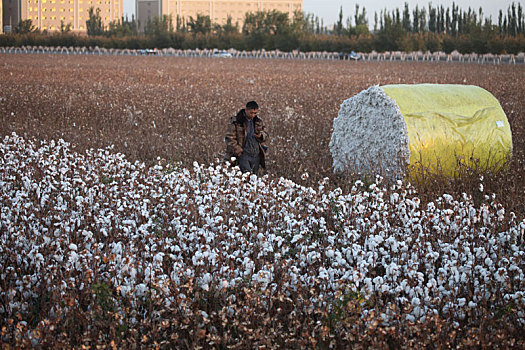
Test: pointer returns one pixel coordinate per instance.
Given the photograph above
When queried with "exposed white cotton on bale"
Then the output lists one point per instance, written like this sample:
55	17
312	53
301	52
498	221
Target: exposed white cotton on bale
436	128
370	135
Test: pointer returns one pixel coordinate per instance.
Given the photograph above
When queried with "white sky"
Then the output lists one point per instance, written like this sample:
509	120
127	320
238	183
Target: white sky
328	10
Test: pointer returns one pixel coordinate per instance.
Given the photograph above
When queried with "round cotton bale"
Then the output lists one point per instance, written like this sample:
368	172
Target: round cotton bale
389	129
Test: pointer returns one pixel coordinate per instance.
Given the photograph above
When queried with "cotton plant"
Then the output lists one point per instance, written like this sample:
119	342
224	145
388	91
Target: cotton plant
71	221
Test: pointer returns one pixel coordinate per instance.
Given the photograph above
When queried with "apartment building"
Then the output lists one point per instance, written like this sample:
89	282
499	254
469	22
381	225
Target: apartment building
146	10
50	14
10	14
217	10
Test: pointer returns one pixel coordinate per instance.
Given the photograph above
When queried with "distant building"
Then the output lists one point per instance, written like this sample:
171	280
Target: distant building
10	14
51	14
146	10
217	10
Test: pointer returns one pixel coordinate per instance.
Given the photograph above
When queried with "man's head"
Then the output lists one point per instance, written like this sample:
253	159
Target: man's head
251	109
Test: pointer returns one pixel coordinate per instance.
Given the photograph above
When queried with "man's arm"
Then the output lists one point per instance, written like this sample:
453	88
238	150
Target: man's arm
260	134
232	146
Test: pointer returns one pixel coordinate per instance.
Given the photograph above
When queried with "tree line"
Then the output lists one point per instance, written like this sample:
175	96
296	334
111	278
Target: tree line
431	28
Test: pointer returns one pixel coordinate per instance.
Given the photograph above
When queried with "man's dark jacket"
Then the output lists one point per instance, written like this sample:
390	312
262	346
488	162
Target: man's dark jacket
236	136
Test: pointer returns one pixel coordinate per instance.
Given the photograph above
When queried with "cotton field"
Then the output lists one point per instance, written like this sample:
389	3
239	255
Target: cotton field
96	249
178	108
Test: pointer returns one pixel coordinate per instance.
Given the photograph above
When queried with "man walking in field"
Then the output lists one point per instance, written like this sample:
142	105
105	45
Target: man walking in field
245	137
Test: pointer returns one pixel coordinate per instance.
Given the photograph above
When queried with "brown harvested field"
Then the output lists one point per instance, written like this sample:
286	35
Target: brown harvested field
177	108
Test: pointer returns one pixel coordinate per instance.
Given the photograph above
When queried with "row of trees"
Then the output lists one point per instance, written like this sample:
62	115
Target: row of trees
427	28
448	29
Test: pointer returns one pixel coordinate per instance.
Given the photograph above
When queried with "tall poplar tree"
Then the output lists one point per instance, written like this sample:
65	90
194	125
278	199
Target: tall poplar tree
94	24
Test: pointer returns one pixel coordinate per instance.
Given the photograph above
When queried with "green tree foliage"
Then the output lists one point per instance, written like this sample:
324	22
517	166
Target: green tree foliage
391	34
304	23
406	19
65	28
160	30
338	27
228	27
94	23
269	30
201	24
359	28
123	27
437	28
425	28
265	23
24	27
361	23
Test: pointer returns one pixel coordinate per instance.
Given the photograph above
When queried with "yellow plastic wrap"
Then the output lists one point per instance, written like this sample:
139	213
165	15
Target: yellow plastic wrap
449	125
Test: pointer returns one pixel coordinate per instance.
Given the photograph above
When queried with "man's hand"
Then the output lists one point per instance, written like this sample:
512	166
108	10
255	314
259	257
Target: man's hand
238	151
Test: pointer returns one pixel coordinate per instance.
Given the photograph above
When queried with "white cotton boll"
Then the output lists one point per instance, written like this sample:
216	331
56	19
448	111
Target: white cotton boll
501	214
204	281
73	246
133	273
263	277
196	259
378	281
39	258
323	274
394	198
47	240
88	235
73	257
356	278
249	265
296	238
313	257
159	257
330	254
417	311
129	223
368	283
420	277
501	275
124	290
117	248
432	283
472	305
519	295
140	289
340	260
480	253
461	302
455	275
